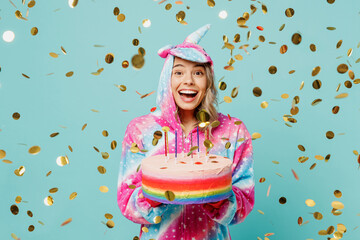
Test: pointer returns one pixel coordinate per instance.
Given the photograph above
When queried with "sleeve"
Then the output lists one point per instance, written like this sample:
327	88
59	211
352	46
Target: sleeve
131	205
241	202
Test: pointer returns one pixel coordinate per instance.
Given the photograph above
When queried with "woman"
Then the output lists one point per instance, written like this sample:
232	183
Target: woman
186	86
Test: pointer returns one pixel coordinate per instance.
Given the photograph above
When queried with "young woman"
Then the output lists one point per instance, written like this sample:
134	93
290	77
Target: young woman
186	86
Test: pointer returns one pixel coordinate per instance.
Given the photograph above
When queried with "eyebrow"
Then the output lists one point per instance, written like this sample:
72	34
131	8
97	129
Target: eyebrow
180	65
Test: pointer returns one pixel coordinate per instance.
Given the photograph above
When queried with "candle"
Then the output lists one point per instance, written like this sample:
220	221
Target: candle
198	142
183	147
165	144
175	145
191	144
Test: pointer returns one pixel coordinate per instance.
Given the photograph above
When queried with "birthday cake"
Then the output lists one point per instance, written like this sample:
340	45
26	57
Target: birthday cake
188	180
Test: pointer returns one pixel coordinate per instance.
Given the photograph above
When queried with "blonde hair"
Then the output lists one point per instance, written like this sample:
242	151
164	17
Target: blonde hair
209	102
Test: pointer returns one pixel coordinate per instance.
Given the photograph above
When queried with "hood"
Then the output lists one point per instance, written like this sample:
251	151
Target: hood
188	50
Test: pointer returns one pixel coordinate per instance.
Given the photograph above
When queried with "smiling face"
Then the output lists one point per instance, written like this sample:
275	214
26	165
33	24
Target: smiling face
188	83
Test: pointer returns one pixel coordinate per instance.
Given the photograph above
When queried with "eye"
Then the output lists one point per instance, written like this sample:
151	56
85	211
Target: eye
177	73
199	73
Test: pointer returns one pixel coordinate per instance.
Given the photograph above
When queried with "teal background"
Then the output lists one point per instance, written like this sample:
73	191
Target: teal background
56	103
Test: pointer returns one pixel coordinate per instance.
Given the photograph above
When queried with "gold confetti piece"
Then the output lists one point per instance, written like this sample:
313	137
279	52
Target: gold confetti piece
313	47
282	27
34	150
137	61
116	11
339	43
2	154
315	71
104	189
282	200
269	234
342	95
31	228
83	127
105	155
255	135
264	104
109	58
211	3
29	213
341	228
170	196
63	50
268	191
295	174
272	69
67	221
48	201
180	16
337	205
261	212
13	235
18	15
300	220
48	173
261	180
14	209
41	222
310	202
229	68
145	229
18	199
279	174
168	6
69	74
108	216
101	169
62	161
342	68
110	224
53	190
312	166
317	215
54	134
227	99
264	8
54	55
296	38
20	171
120	17
73	196
34	31
330	28
157	219
16	116
289	12
283	49
275	162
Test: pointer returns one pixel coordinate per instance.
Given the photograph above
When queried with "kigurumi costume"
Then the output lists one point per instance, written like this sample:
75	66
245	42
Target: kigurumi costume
191	221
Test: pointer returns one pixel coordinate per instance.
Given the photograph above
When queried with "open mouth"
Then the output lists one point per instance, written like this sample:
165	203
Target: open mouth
188	93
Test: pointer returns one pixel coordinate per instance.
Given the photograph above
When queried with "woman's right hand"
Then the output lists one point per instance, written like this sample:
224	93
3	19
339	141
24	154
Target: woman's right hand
151	202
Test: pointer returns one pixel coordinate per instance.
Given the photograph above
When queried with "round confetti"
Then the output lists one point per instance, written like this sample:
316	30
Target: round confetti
72	3
73	195
283	49
109	58
62	161
2	154
121	17
272	69
8	36
342	68
310	202
289	12
104	189
125	64
296	38
14	209
34	31
16	116
31	228
146	23
282	200
101	169
48	201
223	14
137	61
110	224
337	193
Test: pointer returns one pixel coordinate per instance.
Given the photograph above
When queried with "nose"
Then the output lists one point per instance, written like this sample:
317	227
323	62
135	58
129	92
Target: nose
188	79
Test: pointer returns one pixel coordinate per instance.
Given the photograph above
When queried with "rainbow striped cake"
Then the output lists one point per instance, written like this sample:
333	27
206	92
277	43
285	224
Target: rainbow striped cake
189	181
